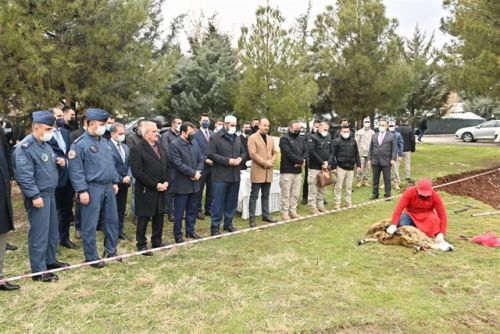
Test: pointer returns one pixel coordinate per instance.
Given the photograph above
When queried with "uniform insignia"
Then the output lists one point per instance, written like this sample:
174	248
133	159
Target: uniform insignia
20	161
71	154
45	157
93	149
24	145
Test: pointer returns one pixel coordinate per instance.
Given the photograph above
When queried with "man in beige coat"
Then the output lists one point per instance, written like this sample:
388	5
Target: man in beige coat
263	154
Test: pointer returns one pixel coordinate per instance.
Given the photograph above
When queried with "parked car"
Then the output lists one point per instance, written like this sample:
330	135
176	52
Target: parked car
483	131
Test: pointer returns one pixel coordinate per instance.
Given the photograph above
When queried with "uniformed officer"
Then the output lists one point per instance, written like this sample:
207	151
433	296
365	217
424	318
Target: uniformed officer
36	174
94	178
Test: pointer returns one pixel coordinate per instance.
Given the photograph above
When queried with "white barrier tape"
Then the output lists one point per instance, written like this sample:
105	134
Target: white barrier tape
224	235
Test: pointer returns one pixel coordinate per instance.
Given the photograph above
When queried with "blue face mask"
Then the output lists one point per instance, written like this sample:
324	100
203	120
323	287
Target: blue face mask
60	122
205	124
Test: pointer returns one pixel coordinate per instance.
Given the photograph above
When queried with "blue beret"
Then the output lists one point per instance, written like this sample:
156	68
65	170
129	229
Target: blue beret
43	117
94	114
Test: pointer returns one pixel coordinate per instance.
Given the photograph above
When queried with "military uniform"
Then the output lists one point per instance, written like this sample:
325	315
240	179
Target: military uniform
37	176
91	170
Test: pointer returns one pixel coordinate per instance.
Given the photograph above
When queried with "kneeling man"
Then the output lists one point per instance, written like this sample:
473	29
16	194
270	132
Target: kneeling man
422	207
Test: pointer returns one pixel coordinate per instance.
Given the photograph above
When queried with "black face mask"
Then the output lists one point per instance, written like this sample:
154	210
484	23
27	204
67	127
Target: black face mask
190	137
255	128
248	131
294	133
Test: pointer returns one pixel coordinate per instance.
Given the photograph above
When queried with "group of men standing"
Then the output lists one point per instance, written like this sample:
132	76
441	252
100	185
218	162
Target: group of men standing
169	172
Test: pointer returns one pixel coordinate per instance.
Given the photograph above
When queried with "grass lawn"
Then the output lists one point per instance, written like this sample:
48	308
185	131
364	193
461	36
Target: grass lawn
307	276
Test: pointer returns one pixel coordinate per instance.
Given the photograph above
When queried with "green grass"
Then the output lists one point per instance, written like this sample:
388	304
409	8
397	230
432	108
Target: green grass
307	276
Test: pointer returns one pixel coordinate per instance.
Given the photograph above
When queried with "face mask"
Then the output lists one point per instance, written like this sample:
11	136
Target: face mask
100	130
248	132
108	127
391	128
345	135
190	137
73	121
295	133
60	122
205	124
121	138
255	128
231	130
324	133
178	128
382	129
47	136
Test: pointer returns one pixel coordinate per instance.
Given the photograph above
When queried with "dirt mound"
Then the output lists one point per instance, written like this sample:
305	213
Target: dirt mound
485	188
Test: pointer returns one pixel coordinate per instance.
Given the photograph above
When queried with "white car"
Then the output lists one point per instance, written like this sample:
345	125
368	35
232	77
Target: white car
484	131
496	138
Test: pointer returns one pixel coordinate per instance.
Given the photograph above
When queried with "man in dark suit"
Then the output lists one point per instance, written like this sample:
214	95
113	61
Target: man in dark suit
60	144
121	155
381	156
148	162
246	131
202	137
188	164
6	218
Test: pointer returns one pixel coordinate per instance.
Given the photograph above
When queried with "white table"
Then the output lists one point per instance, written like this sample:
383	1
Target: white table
246	188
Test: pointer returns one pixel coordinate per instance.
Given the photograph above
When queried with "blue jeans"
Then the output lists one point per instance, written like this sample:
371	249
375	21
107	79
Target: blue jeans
405	220
189	204
224	203
420	134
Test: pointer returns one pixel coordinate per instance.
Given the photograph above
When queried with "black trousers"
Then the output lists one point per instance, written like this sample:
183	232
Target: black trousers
386	171
121	205
142	226
305	186
64	206
254	194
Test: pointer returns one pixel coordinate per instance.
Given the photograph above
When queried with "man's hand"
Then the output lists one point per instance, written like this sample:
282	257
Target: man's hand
161	187
196	176
209	162
358	170
12	183
115	188
439	237
61	161
84	198
324	165
126	179
393	162
238	161
37	203
165	184
391	229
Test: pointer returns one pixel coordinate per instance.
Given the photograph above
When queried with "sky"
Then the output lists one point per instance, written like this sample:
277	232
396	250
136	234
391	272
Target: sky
232	14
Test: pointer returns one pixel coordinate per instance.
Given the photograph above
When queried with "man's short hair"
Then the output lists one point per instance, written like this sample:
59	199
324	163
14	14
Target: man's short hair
116	126
174	119
292	123
344	127
403	120
316	121
344	120
204	115
186	125
66	109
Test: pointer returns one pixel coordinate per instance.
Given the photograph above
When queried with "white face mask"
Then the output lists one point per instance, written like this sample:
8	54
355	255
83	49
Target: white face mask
121	138
178	128
231	130
324	133
382	129
345	135
100	130
47	136
108	127
392	128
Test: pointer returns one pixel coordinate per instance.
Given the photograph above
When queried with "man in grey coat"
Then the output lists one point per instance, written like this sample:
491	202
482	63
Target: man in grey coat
381	156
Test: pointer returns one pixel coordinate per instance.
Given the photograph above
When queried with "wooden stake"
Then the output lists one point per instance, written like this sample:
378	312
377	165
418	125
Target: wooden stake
490	213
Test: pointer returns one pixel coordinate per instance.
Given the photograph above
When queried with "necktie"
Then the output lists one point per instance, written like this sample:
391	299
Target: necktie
121	151
60	140
380	138
155	148
207	135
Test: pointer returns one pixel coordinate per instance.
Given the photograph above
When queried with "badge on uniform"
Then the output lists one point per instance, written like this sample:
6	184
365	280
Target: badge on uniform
93	148
45	157
71	154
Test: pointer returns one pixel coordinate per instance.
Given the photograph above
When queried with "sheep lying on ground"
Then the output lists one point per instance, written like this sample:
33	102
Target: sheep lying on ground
408	236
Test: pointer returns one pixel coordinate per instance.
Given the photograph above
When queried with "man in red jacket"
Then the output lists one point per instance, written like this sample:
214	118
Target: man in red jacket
422	207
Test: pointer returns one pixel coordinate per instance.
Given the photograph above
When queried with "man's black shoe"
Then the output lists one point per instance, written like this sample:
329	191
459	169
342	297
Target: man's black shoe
304	201
108	255
193	235
215	233
69	244
57	265
268	219
373	197
170	217
10	247
47	277
325	202
179	241
208	213
9	287
387	198
229	229
158	246
200	216
252	222
123	236
98	265
149	253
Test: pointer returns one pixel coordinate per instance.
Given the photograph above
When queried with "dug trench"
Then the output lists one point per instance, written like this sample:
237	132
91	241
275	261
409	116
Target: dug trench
484	188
